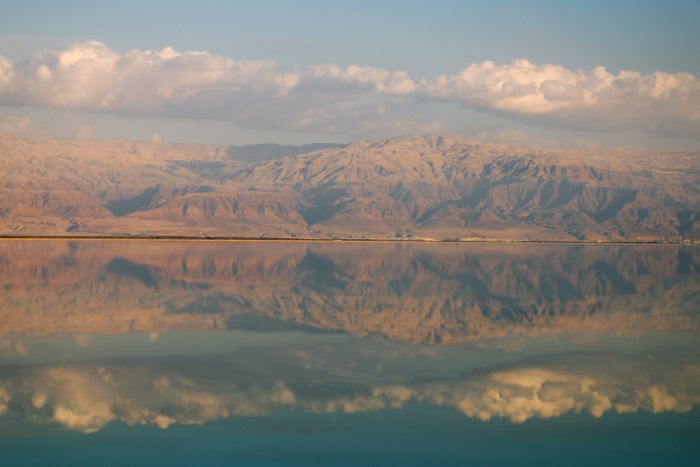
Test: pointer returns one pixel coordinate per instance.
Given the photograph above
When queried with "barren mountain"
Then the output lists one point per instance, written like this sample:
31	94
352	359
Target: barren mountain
420	187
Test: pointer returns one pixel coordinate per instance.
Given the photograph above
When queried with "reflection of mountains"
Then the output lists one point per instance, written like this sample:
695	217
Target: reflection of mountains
411	292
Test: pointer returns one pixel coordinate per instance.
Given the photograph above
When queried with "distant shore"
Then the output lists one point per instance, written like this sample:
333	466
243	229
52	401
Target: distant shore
185	238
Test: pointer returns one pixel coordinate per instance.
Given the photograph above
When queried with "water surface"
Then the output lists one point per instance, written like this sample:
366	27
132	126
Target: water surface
182	353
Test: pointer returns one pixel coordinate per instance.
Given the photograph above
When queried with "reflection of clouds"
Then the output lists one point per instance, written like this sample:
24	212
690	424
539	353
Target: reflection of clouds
4	400
522	394
526	393
663	401
381	397
87	398
10	347
83	340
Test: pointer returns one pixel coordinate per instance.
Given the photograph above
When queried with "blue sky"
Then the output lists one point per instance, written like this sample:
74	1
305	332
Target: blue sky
424	39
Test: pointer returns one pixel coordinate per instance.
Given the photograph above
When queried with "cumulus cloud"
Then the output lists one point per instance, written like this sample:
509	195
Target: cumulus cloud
576	98
92	76
327	97
371	79
7	74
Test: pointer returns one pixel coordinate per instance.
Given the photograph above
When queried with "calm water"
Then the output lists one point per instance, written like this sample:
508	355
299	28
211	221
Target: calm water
175	353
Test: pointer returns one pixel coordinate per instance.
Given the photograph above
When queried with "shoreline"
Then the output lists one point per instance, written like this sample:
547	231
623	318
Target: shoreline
185	238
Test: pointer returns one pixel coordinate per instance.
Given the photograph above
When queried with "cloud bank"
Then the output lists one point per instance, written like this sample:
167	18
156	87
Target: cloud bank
330	98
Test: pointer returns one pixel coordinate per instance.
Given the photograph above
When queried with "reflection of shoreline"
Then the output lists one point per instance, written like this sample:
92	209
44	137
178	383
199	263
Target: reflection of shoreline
176	238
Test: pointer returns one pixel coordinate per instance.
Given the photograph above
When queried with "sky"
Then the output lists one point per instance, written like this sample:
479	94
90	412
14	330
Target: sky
618	74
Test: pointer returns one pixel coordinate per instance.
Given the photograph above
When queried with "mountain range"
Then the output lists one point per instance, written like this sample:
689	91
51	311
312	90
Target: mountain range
419	187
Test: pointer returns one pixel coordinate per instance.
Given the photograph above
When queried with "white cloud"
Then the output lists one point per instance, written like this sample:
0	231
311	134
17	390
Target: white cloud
92	76
7	74
578	99
330	98
372	79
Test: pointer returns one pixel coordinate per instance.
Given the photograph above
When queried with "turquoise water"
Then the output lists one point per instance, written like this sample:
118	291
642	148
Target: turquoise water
412	436
147	353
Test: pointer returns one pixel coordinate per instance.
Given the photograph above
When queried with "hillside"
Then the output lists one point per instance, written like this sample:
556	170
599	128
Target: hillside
407	187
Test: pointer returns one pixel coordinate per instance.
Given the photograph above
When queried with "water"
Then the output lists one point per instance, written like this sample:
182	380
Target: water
194	353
